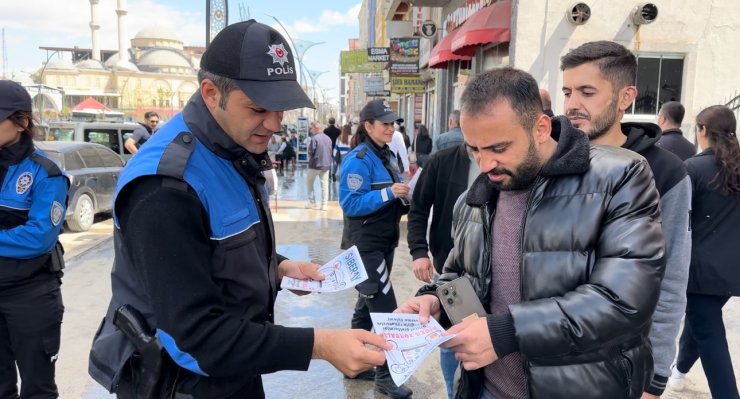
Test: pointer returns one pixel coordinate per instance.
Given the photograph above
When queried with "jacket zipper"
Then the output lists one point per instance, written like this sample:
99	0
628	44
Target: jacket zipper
521	263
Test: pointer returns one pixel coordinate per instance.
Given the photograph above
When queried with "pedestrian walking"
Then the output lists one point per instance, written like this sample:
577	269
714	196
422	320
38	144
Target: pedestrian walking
196	273
319	164
714	276
370	193
33	201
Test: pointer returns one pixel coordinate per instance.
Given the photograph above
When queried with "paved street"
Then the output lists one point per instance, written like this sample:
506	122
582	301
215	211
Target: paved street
301	234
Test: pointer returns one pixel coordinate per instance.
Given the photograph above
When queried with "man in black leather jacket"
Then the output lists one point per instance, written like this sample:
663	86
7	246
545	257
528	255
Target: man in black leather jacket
563	245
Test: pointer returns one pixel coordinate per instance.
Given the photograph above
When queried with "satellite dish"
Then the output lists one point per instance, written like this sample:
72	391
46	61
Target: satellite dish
578	13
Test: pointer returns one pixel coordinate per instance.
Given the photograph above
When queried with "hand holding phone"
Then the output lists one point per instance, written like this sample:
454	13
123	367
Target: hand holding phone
459	300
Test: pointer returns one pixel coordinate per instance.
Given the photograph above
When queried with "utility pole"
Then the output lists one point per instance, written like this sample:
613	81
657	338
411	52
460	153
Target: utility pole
5	58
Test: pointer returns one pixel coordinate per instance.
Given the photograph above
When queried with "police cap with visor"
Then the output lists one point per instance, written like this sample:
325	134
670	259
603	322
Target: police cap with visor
264	68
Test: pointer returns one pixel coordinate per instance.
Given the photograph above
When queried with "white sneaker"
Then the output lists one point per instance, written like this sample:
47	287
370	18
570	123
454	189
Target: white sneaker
310	205
677	380
323	207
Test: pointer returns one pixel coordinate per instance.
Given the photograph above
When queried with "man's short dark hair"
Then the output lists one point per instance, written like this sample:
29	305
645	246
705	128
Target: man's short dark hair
332	121
673	111
149	114
223	84
617	64
516	86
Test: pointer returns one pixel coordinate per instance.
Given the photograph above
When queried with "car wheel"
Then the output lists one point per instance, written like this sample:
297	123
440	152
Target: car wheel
83	214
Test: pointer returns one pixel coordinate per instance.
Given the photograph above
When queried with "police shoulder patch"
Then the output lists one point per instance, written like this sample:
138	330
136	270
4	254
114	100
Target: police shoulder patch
57	210
23	183
354	181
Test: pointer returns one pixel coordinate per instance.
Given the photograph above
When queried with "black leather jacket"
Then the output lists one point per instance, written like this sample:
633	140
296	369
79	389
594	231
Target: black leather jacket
592	263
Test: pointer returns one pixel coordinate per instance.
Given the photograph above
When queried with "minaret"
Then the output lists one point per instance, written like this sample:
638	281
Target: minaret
94	28
123	56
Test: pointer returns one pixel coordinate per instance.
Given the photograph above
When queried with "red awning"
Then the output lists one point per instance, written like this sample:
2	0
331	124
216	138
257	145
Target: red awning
90	104
442	53
488	25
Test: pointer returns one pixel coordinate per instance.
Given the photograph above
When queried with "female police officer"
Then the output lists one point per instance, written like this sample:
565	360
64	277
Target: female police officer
372	196
33	194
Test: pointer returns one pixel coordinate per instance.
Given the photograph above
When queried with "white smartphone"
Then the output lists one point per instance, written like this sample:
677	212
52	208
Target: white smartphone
459	300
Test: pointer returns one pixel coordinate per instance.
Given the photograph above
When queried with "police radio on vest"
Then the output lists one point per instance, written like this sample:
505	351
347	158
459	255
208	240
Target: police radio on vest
280	71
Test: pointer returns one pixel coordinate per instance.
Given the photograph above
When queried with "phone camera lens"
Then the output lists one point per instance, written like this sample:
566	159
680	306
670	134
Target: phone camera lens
450	301
446	292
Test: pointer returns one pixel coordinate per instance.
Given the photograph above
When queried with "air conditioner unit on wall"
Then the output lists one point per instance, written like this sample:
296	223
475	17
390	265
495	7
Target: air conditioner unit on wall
578	13
645	13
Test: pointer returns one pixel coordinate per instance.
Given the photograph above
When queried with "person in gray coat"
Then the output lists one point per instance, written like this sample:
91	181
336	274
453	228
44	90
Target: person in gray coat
451	138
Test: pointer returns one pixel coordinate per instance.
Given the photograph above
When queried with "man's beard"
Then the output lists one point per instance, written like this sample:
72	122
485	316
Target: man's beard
600	124
525	174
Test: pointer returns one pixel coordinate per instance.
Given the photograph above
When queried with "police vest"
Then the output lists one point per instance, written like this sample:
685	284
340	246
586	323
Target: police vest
30	251
248	281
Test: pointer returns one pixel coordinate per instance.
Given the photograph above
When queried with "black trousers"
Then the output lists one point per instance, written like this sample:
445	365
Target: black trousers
704	337
376	293
30	329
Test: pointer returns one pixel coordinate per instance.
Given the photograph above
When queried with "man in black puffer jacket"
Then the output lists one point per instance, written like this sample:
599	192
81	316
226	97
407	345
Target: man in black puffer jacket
563	245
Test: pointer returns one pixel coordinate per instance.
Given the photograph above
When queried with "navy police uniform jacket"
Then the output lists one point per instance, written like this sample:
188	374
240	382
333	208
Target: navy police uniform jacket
368	172
33	201
212	307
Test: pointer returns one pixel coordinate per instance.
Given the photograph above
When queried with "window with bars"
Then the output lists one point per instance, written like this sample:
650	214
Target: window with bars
659	80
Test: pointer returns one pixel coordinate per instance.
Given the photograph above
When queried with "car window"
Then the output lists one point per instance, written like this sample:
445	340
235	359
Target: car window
126	133
106	137
91	157
110	160
61	134
72	161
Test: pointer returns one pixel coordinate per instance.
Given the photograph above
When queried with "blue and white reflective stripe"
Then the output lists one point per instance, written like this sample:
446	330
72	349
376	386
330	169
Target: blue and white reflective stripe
183	359
384	194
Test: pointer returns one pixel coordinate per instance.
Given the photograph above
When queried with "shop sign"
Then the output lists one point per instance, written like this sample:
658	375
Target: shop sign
404	56
355	61
379	54
406	84
428	29
374	84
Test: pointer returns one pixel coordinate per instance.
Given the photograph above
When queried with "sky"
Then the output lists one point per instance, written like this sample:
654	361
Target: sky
65	23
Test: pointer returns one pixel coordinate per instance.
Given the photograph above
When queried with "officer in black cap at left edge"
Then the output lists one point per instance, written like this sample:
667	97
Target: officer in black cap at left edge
33	201
195	267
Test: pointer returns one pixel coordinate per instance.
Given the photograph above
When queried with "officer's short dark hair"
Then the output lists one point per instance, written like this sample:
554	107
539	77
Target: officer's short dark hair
673	111
617	64
332	121
514	85
150	114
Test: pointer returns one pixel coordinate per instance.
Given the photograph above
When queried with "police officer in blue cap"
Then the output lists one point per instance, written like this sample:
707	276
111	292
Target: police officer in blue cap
195	270
373	198
33	200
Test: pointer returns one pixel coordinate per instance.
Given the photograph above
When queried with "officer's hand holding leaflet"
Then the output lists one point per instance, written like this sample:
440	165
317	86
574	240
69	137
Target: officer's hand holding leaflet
300	271
346	350
400	190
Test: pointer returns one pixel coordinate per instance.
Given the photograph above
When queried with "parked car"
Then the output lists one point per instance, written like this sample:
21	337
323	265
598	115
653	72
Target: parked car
93	171
109	134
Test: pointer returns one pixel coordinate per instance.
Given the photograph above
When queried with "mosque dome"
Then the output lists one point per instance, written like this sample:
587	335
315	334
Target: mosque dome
156	37
157	32
90	64
165	60
61	65
112	63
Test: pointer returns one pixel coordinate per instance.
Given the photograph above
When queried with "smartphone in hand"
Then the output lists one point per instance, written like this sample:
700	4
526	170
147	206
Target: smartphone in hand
459	300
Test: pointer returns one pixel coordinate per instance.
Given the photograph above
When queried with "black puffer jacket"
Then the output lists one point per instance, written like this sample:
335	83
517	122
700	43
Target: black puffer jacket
592	262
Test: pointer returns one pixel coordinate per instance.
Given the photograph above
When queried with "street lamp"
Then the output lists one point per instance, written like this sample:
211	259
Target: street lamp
41	83
314	75
299	51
